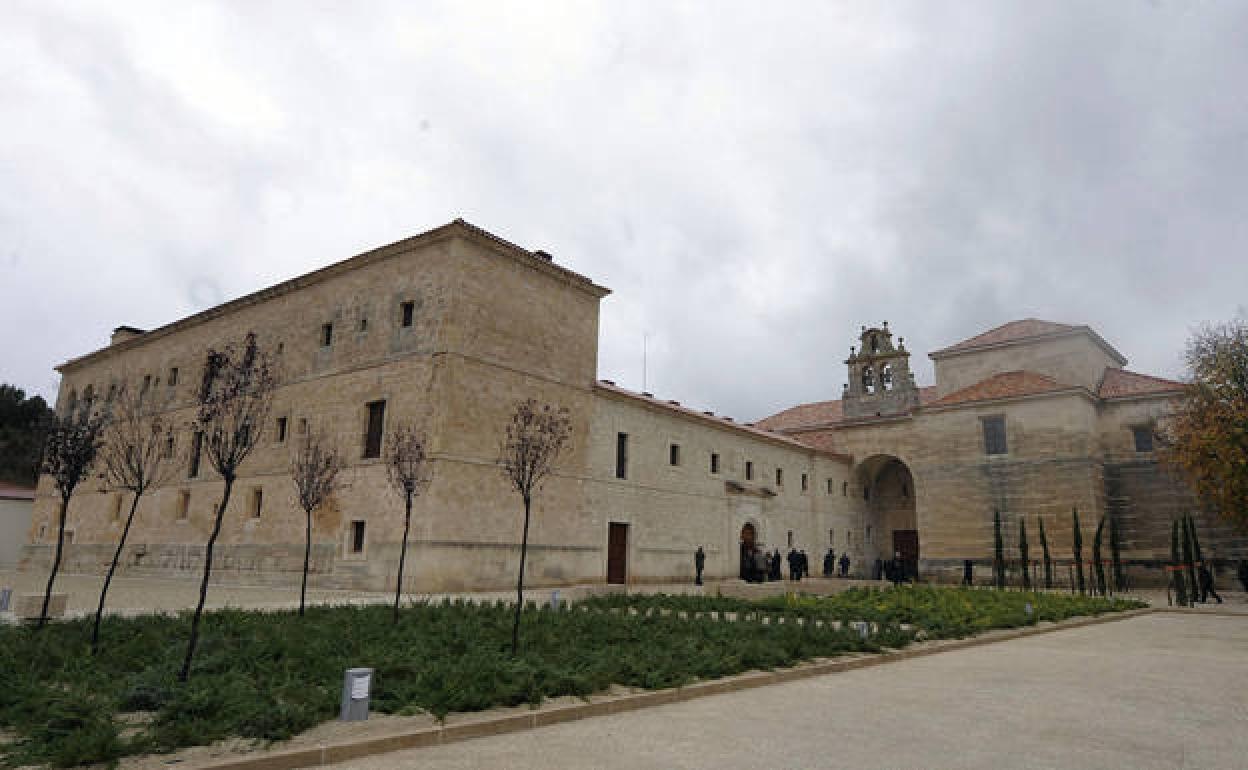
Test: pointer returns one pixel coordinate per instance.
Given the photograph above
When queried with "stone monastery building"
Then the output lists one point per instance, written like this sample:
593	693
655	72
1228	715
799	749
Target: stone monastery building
450	328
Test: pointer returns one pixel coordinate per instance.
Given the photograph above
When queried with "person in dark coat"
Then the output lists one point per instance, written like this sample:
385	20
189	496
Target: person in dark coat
879	569
803	564
699	564
829	563
898	569
1243	573
794	574
845	564
776	574
1206	585
968	573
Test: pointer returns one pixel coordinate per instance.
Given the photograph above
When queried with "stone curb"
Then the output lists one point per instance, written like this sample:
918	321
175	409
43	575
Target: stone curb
1201	611
510	723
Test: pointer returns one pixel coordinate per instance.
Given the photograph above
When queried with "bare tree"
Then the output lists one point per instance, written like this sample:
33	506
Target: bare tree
535	438
406	465
70	445
234	398
139	447
316	468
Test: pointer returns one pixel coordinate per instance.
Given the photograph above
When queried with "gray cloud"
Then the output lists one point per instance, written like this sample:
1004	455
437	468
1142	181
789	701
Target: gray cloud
754	183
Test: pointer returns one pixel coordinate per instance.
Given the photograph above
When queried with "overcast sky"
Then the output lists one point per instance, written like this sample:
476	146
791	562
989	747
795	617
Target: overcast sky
754	180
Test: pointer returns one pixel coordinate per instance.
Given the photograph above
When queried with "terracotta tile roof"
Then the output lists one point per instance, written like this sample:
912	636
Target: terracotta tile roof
1010	332
819	413
1003	385
753	429
802	415
1119	383
16	491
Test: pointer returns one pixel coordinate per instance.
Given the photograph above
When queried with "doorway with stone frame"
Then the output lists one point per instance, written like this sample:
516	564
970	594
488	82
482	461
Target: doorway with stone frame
890	521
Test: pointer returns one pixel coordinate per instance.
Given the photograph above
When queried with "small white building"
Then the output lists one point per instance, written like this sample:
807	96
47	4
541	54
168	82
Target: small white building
16	504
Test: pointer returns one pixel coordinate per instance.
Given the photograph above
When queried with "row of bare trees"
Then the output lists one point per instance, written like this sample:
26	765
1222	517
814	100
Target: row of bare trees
134	447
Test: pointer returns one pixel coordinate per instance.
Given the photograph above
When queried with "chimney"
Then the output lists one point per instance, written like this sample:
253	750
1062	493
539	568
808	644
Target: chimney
123	333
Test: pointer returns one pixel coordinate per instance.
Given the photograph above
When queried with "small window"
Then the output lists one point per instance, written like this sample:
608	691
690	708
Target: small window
43	531
112	393
147	383
363	325
673	454
994	435
621	455
868	533
749	471
117	506
779	477
1143	438
805	483
831	537
197	445
357	537
169	447
866	493
376	421
830	483
327	335
844	489
303	426
714	462
184	504
281	429
173	377
408	309
790	538
257	502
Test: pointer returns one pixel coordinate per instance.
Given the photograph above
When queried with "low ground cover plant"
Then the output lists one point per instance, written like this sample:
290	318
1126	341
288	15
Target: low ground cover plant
270	675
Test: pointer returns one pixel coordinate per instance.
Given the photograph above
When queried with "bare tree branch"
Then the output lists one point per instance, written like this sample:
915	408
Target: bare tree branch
316	468
406	467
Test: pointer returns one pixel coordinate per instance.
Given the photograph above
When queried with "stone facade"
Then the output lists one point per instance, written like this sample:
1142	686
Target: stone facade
450	328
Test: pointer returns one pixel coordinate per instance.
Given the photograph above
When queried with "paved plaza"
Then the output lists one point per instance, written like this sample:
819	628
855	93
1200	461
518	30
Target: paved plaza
1166	690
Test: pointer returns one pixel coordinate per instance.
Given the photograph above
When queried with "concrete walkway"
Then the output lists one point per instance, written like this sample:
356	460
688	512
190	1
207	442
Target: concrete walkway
1167	690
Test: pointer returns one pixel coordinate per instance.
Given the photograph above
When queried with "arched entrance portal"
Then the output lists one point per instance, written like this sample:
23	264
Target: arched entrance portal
747	550
890	525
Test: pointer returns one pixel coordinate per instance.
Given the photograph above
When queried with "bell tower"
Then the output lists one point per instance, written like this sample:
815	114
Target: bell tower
880	381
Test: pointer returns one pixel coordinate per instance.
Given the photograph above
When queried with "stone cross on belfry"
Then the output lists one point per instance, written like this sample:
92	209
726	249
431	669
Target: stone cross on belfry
880	381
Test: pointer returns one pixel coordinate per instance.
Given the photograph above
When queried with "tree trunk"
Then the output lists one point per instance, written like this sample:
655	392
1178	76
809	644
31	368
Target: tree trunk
524	551
56	562
407	524
185	673
307	555
108	579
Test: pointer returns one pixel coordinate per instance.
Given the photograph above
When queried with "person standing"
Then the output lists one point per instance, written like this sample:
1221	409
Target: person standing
829	563
1243	573
805	562
1206	585
968	573
791	558
845	564
699	564
897	568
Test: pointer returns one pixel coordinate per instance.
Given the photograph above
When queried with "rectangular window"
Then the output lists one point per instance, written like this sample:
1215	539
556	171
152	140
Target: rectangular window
1143	438
184	504
829	486
376	421
408	309
790	538
197	445
173	376
621	455
281	429
673	454
749	471
169	447
363	325
147	383
831	537
714	463
357	537
779	477
327	335
257	502
805	483
994	435
303	425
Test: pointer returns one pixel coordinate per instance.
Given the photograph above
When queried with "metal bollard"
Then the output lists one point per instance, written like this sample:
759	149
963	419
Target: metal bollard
355	688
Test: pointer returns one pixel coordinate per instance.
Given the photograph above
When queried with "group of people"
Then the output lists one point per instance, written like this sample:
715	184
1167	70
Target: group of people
758	565
895	569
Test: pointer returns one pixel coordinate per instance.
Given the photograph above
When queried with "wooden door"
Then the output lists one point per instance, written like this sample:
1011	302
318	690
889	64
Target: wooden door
617	553
907	542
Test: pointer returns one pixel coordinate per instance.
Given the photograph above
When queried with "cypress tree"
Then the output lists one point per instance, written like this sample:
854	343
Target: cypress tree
1176	566
1048	562
1189	563
1197	559
1023	553
998	556
1096	557
1078	549
1115	552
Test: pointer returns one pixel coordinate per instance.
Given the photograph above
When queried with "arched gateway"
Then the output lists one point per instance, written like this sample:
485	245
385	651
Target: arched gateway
748	538
889	520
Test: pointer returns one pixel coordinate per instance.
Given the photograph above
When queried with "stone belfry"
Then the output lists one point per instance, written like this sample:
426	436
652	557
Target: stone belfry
880	381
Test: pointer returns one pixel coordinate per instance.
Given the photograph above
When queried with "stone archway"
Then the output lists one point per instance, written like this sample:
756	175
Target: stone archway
890	520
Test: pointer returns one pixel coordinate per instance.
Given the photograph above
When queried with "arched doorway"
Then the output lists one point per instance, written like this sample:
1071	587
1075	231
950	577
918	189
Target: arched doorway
748	538
890	523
